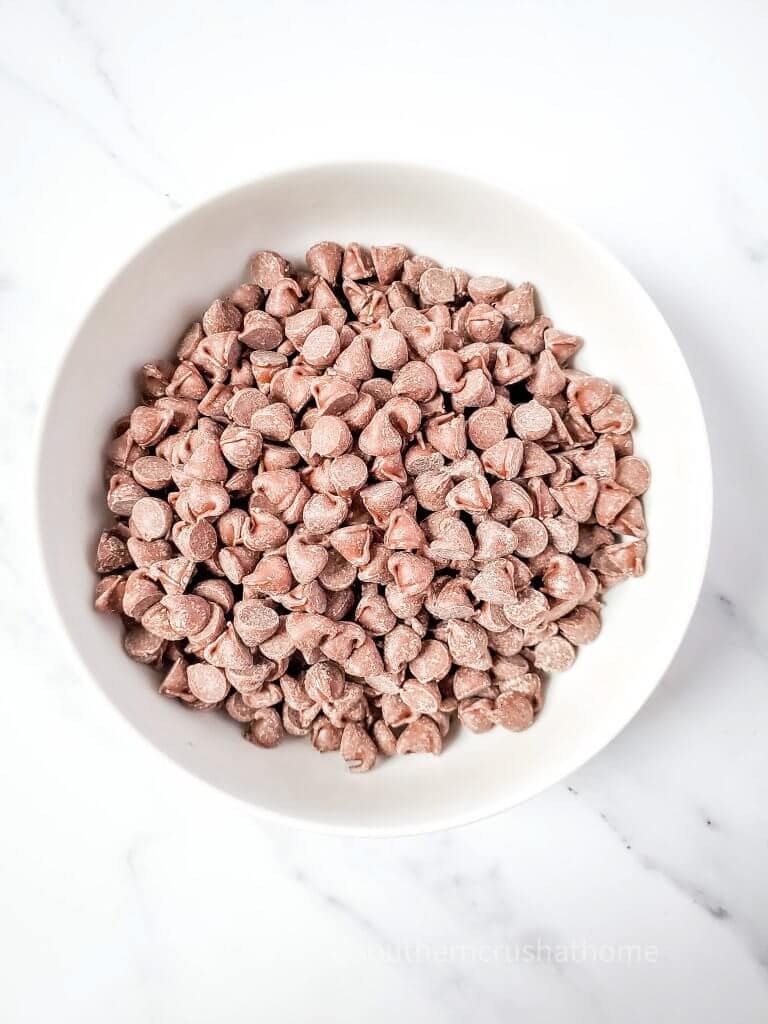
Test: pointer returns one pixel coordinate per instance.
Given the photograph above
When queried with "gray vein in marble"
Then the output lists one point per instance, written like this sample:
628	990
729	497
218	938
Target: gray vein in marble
437	978
337	904
704	899
480	900
459	889
495	911
96	50
745	212
742	622
86	130
143	960
757	252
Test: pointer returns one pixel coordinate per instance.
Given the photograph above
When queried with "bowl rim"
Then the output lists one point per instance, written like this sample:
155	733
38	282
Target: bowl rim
356	166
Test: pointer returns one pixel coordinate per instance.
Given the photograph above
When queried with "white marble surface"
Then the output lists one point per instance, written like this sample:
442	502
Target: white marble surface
128	893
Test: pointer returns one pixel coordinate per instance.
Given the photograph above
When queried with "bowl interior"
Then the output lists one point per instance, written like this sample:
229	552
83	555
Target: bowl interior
459	222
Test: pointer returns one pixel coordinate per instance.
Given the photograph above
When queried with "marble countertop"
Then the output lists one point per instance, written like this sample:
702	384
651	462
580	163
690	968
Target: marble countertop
633	891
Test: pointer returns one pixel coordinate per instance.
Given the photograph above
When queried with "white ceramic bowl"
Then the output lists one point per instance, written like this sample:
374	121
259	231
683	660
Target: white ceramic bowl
459	222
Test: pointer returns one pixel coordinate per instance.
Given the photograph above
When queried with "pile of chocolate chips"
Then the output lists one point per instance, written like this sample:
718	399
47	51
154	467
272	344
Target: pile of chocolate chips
367	499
